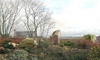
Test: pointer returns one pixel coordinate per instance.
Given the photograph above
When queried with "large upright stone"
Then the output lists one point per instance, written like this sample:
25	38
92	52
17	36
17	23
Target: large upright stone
55	37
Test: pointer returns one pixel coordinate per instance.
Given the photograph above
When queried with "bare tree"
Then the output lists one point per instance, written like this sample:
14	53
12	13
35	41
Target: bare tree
8	16
49	27
38	18
46	25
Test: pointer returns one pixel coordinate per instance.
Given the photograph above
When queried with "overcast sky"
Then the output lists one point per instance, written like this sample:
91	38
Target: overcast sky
76	17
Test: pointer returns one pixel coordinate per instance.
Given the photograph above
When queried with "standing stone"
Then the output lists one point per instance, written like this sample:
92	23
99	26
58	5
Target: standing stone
55	37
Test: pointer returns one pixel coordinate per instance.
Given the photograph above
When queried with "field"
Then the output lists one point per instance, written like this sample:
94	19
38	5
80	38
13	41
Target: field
67	49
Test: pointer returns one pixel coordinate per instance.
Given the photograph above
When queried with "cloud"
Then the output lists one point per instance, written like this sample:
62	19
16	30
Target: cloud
56	5
79	16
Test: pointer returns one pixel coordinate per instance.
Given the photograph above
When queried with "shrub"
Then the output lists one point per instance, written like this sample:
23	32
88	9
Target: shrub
88	41
3	50
76	54
94	53
85	44
43	44
68	43
2	58
28	42
18	55
32	57
89	37
6	44
42	47
52	53
61	44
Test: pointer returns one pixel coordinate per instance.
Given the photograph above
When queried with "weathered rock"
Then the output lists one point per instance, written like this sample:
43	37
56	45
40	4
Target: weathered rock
55	37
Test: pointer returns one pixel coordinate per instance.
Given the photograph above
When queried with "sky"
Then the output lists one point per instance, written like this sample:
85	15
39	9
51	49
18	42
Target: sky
75	17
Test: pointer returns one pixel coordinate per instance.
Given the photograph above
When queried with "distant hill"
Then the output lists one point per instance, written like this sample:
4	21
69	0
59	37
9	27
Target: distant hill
70	37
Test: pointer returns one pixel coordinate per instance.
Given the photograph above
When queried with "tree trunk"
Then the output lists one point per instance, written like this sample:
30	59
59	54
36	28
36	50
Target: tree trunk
36	32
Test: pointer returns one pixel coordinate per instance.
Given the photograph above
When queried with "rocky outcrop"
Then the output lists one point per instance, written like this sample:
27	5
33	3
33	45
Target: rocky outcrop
55	37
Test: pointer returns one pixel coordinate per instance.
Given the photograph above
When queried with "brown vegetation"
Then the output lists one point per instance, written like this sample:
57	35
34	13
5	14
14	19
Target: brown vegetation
15	40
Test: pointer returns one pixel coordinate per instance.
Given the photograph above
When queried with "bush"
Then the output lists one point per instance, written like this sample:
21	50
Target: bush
6	44
2	58
76	54
68	43
77	57
42	47
28	42
32	57
61	44
43	44
94	53
52	53
89	37
3	50
85	44
88	41
18	55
